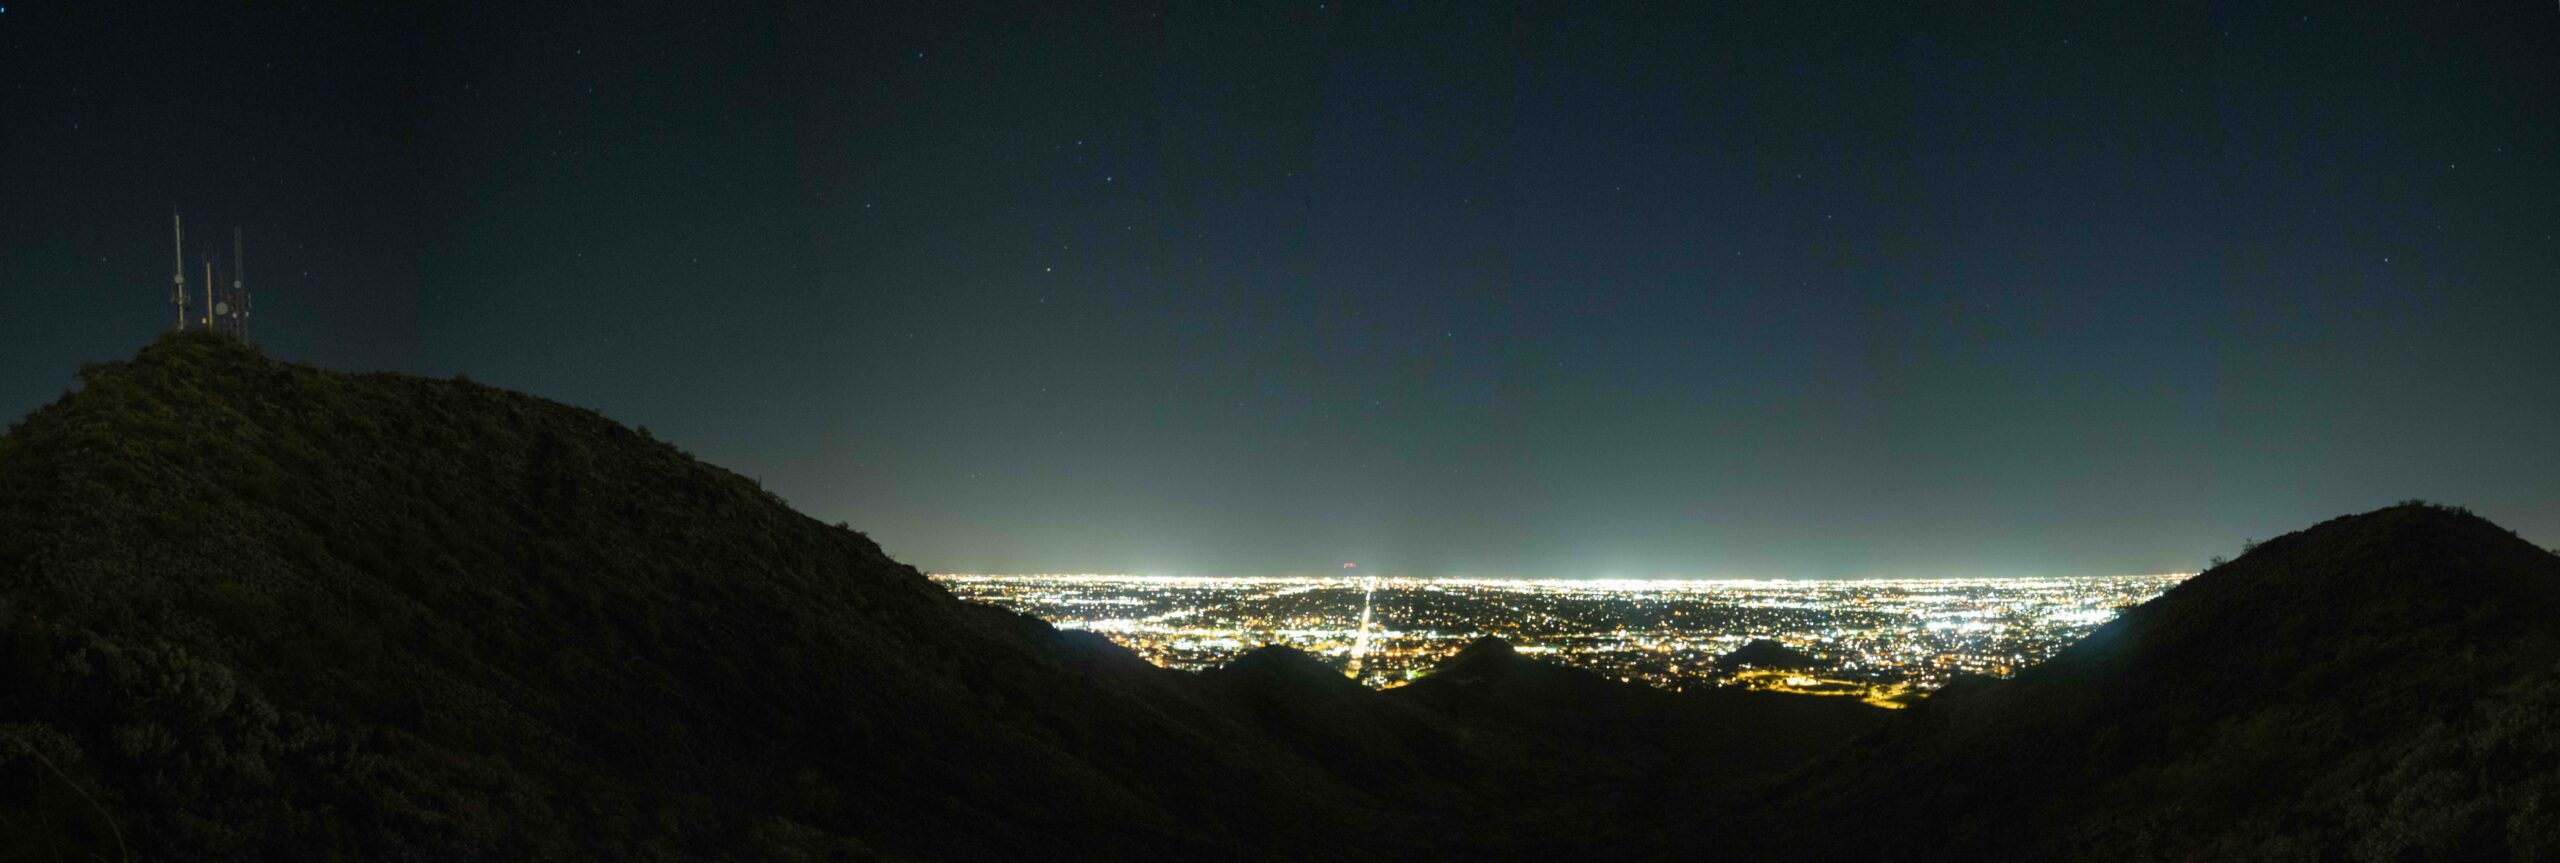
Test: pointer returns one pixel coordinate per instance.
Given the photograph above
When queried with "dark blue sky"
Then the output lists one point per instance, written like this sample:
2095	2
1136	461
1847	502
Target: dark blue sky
1750	289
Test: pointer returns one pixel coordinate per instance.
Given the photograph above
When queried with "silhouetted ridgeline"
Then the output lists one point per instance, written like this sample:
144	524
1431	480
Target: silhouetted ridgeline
2383	686
1764	653
253	610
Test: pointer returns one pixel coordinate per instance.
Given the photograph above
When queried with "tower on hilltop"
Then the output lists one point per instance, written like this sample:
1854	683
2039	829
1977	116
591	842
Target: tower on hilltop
178	293
226	307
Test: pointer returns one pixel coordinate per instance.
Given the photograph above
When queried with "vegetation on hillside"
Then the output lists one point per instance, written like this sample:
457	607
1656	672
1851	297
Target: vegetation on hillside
251	610
254	611
2376	687
263	611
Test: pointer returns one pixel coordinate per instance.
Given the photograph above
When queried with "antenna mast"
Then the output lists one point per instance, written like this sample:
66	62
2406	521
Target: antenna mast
178	294
208	293
239	295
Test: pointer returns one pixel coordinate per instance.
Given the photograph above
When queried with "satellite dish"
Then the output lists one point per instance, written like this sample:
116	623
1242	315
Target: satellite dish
222	308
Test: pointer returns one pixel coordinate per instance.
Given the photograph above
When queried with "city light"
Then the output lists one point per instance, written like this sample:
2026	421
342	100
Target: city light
1879	640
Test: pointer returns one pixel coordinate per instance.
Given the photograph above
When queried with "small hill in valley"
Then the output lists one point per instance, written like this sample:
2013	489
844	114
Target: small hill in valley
1313	709
1625	757
1767	654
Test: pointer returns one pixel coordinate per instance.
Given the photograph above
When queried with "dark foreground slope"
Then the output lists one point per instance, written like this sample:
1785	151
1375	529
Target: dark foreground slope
253	610
2377	687
256	610
1673	743
1642	758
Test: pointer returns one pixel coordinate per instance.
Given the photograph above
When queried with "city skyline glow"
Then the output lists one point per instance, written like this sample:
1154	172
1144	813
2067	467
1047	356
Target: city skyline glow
1882	640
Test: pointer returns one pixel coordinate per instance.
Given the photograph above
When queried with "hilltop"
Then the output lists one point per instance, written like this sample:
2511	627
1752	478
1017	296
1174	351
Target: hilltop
1767	654
2378	686
258	610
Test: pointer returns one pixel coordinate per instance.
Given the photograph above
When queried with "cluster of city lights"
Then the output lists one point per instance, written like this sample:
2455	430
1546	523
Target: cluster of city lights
1879	639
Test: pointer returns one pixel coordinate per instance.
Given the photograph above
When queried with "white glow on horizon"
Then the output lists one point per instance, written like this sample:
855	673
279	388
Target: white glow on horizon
1614	585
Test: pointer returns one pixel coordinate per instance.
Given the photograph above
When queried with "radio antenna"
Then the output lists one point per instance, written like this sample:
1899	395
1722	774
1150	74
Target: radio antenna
239	294
178	293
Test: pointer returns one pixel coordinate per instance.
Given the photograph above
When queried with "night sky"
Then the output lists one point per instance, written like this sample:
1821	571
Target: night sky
1538	289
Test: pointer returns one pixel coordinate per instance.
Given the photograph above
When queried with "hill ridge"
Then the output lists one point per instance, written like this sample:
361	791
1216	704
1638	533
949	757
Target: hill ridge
544	632
257	610
2322	661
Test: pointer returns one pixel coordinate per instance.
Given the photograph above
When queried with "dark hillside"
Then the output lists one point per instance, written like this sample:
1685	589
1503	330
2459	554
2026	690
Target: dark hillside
256	610
1312	709
1627	757
2370	688
1724	733
1764	653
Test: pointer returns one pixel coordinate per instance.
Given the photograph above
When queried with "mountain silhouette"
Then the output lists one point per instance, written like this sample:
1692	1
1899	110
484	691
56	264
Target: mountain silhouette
1619	759
257	610
1313	709
1767	654
262	611
254	610
2378	686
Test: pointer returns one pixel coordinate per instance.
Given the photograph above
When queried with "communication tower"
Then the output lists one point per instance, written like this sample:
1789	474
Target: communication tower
226	309
238	312
178	294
